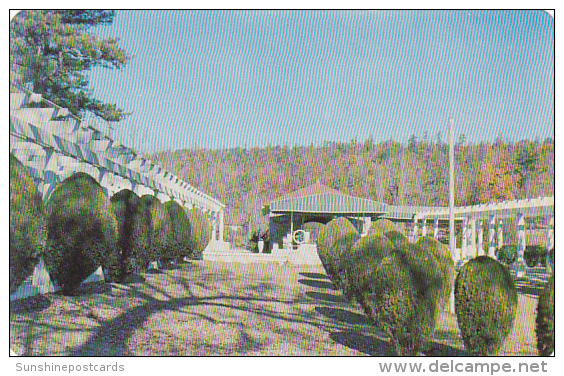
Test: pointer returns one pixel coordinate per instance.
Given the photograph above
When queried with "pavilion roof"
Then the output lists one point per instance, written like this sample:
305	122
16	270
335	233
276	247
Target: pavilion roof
319	198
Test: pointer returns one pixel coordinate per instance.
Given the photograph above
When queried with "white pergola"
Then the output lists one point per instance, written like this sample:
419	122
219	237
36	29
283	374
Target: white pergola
54	145
473	217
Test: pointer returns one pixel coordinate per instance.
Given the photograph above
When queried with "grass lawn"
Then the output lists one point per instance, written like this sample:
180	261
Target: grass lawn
219	308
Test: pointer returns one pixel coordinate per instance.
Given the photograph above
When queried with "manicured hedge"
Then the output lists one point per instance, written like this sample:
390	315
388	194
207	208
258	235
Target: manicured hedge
374	247
82	231
28	224
428	284
397	238
534	255
161	235
445	264
134	231
394	304
506	254
201	232
384	226
181	230
336	238
486	304
545	319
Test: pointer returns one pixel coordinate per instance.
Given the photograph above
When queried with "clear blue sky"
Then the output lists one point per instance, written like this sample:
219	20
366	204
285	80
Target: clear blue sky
252	78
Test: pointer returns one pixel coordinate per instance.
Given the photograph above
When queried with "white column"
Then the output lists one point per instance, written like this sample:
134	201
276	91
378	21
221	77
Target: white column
472	235
500	233
415	230
481	238
214	226
464	247
491	240
366	225
436	228
221	225
519	265
424	228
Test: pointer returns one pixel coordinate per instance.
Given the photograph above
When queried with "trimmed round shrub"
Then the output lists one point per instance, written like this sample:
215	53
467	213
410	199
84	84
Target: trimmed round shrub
201	232
534	255
427	284
28	224
394	305
431	246
545	319
384	226
82	231
397	238
161	234
506	254
181	230
486	305
542	252
336	238
134	226
374	247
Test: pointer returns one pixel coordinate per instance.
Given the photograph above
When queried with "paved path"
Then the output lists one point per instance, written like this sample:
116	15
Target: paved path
219	308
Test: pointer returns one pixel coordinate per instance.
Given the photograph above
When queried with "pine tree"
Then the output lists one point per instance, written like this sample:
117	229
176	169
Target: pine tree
54	51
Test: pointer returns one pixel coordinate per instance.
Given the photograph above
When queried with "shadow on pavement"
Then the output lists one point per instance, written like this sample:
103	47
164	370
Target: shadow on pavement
439	349
32	304
317	284
153	271
134	278
326	297
342	315
529	289
365	344
99	287
314	275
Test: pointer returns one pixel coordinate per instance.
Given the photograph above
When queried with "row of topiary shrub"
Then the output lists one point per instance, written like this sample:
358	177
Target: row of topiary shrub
80	229
402	288
534	255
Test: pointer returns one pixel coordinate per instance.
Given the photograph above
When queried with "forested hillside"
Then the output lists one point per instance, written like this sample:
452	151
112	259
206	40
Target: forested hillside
416	173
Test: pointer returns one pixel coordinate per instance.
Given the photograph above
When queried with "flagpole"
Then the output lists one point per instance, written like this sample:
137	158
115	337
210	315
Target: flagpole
452	238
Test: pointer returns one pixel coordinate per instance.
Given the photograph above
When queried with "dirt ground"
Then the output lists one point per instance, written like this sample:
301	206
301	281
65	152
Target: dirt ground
218	308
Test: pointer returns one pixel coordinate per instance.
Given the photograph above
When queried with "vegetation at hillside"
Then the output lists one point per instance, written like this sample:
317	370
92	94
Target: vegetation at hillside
390	172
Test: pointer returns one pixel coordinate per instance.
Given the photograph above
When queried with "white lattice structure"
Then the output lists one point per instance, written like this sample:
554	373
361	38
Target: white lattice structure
473	218
54	145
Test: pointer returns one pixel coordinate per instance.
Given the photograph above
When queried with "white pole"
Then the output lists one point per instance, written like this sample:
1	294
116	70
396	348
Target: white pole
452	242
451	202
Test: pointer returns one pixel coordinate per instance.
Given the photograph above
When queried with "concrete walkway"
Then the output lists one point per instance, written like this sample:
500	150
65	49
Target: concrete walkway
304	255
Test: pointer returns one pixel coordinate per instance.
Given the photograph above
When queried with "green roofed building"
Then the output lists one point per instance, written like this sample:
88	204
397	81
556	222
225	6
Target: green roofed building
319	203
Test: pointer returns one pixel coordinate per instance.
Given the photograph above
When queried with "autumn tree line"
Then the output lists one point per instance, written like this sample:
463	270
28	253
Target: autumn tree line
415	173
